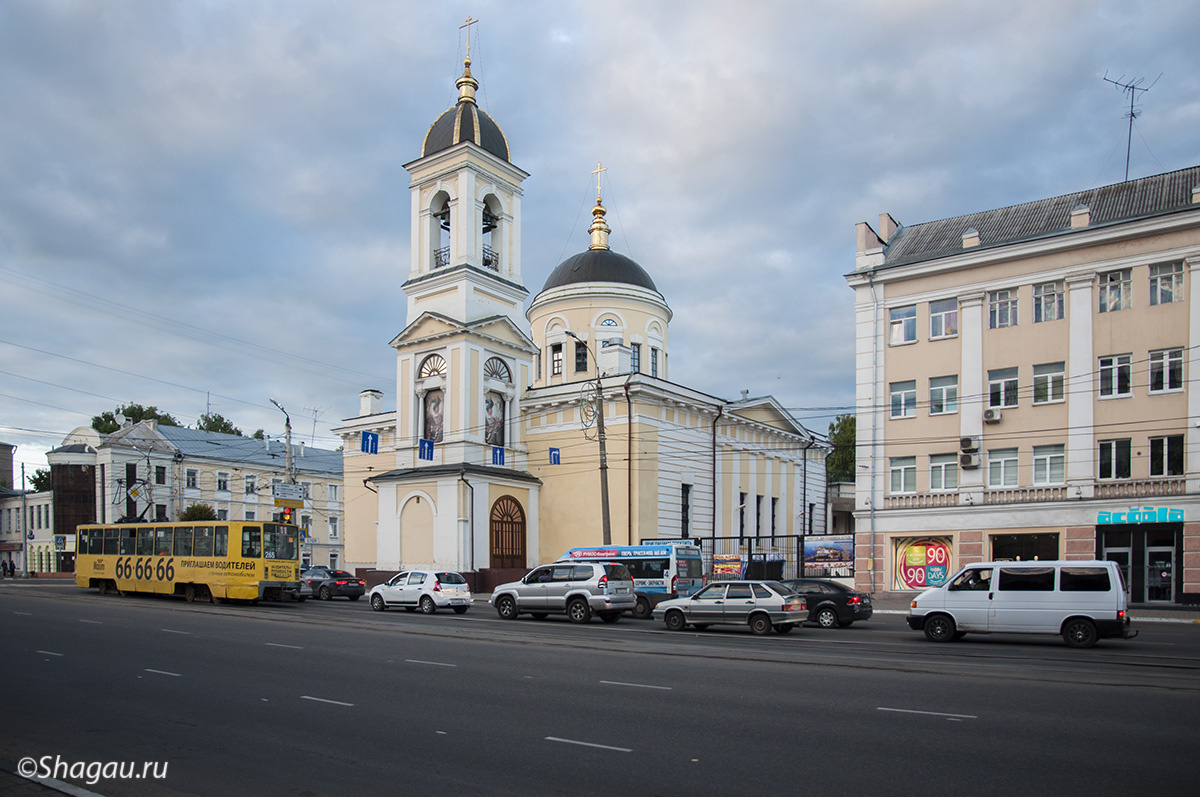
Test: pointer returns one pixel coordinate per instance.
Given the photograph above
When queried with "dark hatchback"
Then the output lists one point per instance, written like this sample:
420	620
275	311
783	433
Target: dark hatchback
329	584
830	603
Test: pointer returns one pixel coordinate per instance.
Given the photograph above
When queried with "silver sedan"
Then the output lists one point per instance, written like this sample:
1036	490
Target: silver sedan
762	605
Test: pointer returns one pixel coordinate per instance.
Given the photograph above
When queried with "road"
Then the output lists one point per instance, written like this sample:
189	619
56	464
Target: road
332	698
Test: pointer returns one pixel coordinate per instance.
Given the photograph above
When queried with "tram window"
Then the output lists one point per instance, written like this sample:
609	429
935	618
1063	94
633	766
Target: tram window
278	544
203	545
221	541
183	541
127	541
251	542
162	542
96	544
145	542
110	541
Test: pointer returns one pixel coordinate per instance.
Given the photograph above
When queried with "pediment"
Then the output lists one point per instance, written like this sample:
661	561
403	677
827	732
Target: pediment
768	412
431	326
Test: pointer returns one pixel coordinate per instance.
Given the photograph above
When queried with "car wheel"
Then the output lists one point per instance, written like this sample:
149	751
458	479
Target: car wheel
427	605
506	607
826	617
539	615
354	597
675	620
760	624
461	609
578	611
939	628
610	617
377	602
784	628
325	594
643	610
1079	633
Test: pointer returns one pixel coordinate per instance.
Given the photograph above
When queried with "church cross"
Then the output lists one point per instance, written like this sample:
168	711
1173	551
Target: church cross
596	172
468	25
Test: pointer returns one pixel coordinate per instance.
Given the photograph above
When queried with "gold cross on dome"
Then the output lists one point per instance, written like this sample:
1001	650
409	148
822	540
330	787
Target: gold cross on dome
468	25
596	172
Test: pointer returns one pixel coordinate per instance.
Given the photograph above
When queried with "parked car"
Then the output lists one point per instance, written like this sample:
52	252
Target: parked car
762	605
577	588
831	603
327	584
427	590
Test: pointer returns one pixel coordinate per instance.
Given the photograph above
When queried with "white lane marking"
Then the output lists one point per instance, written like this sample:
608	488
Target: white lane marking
929	713
50	653
278	645
173	631
24	614
93	622
589	744
434	663
164	672
323	700
638	686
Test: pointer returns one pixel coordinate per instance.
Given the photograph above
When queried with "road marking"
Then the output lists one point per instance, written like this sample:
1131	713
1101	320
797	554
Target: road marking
49	653
25	614
164	672
589	744
639	686
278	645
434	663
323	700
93	622
929	713
173	631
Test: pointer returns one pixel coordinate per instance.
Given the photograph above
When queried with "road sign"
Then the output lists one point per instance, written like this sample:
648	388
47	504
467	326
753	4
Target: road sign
555	457
497	455
370	443
426	450
290	492
288	503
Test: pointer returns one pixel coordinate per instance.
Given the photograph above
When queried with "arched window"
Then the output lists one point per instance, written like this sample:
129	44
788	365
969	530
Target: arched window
491	232
608	322
495	368
440	229
493	423
433	365
434	408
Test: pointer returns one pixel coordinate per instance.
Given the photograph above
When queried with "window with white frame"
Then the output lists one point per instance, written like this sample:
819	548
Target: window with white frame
191	479
333	528
1115	461
222	514
251	514
943	472
1002	309
556	359
306	490
1166	455
1002	467
943	395
249	484
1116	291
904	399
1049	464
654	362
1166	283
635	357
1049	383
1048	303
903	323
306	522
1116	372
943	319
904	474
1166	370
331	491
222	481
1002	387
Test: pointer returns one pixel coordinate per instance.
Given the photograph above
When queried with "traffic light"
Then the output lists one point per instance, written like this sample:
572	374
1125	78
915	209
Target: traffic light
287	515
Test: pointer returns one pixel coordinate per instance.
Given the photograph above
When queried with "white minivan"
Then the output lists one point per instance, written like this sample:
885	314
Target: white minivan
1083	601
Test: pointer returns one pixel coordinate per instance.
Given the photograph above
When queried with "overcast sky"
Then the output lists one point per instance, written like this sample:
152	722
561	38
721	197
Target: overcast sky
203	204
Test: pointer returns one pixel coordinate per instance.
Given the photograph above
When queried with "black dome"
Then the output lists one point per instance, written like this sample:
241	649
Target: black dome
465	122
599	265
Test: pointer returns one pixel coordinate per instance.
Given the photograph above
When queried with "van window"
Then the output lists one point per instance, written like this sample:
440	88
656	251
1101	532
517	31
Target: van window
647	568
1027	579
973	579
1084	579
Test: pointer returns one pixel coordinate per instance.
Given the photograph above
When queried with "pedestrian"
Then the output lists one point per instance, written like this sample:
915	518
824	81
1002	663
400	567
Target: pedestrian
3	568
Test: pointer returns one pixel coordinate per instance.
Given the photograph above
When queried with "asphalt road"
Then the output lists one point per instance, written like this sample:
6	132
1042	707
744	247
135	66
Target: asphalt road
332	698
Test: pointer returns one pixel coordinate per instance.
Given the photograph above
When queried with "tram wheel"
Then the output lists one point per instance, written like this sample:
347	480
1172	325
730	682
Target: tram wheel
189	593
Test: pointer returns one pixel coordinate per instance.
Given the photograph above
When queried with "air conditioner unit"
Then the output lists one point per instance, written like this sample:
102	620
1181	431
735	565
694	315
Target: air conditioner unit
969	444
991	415
968	460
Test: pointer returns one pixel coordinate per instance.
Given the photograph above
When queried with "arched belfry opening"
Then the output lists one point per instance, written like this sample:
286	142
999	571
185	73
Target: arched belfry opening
439	229
492	232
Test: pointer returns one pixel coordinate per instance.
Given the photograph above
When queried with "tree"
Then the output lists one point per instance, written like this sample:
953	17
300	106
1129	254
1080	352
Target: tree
106	423
843	436
258	434
213	422
40	480
198	512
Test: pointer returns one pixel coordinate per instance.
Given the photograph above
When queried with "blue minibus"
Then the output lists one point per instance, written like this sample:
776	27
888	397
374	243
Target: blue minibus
659	571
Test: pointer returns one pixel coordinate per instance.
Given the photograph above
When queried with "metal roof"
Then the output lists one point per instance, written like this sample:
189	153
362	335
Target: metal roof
249	451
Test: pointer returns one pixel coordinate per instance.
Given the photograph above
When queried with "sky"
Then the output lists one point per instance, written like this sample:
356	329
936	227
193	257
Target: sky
204	206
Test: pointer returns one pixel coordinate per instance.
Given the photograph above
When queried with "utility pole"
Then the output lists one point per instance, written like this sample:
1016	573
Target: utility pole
288	465
24	527
604	514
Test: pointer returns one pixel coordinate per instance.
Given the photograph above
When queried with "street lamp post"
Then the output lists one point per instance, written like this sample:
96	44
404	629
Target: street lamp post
605	519
287	440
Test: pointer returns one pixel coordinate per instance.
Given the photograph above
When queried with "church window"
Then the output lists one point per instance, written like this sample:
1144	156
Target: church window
495	368
654	362
434	407
556	359
433	365
491	234
493	424
440	212
635	358
580	356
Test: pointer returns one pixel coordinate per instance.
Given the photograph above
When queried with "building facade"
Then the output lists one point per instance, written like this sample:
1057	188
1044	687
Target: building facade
1023	388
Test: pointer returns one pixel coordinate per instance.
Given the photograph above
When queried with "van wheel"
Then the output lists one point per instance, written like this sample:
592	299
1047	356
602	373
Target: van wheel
643	610
760	624
1079	633
939	628
578	611
827	618
506	607
675	621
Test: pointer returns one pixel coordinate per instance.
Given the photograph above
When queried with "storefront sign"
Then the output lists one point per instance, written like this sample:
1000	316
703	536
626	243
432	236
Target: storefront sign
921	562
1147	514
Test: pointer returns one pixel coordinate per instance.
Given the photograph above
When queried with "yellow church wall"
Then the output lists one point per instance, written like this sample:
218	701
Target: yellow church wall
360	506
450	416
416	522
474	422
404	400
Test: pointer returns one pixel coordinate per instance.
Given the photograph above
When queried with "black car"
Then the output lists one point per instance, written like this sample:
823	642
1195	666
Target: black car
830	603
327	584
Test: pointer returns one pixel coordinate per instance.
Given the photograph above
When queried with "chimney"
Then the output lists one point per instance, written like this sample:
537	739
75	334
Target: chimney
1081	216
887	227
970	238
745	395
867	239
370	402
301	448
267	442
1196	194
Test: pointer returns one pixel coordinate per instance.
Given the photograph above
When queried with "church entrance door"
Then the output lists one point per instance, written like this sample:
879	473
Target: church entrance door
506	527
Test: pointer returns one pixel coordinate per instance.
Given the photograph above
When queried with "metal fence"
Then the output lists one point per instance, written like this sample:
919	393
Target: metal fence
778	557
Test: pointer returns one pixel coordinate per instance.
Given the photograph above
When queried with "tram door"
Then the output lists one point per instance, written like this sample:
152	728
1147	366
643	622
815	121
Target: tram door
1160	574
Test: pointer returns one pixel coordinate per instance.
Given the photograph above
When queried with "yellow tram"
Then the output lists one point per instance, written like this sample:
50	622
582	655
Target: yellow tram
201	560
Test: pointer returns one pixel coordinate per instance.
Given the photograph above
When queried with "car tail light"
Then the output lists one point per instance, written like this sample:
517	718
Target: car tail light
1120	614
340	583
362	583
674	591
853	600
603	583
437	585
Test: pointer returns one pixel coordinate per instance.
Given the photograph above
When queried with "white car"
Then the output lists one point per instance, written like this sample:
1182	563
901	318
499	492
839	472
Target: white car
427	590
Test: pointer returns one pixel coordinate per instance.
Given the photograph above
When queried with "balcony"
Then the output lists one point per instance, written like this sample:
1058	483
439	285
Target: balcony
1141	489
1125	489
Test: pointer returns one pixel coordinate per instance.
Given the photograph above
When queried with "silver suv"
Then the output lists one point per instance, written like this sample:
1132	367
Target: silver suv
579	589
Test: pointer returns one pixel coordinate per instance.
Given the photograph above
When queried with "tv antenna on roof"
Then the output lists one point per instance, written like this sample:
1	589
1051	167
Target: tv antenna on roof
1131	88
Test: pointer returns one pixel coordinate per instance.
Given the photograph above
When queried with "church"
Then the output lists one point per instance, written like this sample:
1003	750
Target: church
522	431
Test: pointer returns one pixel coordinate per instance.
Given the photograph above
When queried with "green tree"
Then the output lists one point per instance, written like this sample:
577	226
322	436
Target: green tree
842	434
106	423
258	434
40	480
198	512
213	422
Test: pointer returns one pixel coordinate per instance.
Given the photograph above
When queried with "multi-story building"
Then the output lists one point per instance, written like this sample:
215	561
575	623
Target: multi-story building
1023	388
28	542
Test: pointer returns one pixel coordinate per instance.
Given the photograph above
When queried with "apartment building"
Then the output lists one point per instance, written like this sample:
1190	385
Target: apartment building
1023	388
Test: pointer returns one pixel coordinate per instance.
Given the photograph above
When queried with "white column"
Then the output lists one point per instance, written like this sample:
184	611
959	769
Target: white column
1192	437
1081	365
971	390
